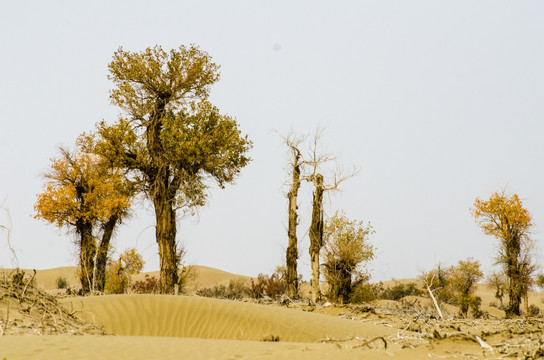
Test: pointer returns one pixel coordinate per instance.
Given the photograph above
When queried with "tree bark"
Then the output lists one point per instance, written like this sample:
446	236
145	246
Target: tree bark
166	239
513	272
102	255
292	249
316	237
87	253
163	196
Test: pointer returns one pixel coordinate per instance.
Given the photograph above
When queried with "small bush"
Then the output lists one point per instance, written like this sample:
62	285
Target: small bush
62	283
236	290
149	285
533	310
116	278
273	286
399	291
363	293
272	338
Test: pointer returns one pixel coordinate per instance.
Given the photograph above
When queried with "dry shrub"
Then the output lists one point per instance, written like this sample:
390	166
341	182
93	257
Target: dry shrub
273	286
398	291
533	310
62	283
236	290
149	285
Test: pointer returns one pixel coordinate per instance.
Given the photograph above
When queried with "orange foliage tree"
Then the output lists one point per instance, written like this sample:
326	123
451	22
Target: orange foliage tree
505	218
86	196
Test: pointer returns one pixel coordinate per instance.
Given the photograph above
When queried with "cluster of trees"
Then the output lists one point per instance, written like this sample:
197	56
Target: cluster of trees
504	217
171	143
455	285
344	243
168	145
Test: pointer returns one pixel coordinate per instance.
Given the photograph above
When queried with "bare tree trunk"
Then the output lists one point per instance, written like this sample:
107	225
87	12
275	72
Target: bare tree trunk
102	255
435	302
292	249
316	236
526	302
86	255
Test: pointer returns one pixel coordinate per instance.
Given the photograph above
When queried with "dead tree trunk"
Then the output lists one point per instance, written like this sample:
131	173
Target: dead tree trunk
292	248
316	236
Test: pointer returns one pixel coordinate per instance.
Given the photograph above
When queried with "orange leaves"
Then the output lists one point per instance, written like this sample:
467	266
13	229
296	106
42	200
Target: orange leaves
80	188
502	215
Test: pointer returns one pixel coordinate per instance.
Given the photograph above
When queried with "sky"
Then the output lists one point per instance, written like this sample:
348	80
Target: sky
436	102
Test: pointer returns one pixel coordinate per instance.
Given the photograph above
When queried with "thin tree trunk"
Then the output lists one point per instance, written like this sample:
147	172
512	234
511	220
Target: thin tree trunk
316	237
526	302
102	255
86	255
292	249
435	302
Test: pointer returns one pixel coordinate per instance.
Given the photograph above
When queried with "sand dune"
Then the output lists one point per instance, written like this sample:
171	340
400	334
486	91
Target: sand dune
205	276
196	317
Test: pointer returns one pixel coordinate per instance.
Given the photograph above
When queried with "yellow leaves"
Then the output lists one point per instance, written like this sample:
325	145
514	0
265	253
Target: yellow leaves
80	188
143	77
502	215
347	240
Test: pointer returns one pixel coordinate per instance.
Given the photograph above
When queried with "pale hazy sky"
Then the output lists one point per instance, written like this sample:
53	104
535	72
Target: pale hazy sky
437	102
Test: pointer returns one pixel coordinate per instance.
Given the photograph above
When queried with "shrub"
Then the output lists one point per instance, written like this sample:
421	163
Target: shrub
236	290
116	278
399	291
149	285
118	272
273	338
364	292
274	286
533	310
62	283
346	251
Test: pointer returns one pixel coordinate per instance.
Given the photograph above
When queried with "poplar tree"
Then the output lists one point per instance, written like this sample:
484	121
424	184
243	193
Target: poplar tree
171	139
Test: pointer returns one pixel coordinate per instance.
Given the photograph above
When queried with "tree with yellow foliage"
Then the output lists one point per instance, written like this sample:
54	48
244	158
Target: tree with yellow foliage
346	251
172	140
84	194
504	217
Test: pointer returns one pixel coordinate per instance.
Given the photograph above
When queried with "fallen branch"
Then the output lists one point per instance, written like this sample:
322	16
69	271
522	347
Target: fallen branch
371	341
28	283
484	344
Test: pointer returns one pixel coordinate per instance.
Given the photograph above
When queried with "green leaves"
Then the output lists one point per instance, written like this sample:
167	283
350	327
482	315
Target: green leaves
144	79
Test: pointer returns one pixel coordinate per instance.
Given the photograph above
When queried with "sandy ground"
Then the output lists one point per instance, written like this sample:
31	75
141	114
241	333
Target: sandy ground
191	327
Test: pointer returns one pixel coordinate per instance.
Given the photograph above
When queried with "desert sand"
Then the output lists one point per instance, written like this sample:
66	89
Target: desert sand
192	327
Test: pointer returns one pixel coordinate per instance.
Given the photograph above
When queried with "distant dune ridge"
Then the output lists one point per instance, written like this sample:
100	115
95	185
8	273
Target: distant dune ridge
205	276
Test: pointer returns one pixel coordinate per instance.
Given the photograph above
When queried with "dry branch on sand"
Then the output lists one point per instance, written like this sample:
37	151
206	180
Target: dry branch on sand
30	311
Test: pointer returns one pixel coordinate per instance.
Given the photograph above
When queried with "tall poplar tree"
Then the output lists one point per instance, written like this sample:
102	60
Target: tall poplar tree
171	139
